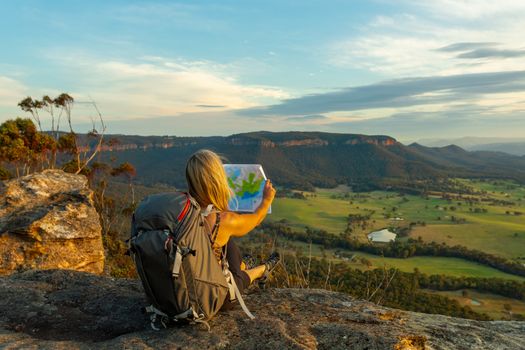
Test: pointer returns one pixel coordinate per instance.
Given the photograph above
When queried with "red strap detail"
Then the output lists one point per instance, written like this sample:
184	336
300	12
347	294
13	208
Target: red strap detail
185	210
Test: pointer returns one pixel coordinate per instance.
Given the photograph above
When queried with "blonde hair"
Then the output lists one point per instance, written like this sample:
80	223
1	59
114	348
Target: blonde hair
207	181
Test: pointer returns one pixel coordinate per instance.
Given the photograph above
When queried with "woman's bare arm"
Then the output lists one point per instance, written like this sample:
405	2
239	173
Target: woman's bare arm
237	225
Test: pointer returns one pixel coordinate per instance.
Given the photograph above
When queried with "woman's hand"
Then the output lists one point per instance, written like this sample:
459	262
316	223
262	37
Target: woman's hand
269	191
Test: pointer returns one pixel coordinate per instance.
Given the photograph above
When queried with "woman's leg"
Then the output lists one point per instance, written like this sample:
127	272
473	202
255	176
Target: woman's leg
238	268
242	279
233	256
256	272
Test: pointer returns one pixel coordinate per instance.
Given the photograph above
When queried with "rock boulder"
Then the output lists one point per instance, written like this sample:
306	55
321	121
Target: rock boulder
48	221
76	310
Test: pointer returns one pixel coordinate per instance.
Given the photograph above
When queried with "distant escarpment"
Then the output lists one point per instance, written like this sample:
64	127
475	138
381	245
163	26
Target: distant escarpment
307	159
48	221
306	139
262	138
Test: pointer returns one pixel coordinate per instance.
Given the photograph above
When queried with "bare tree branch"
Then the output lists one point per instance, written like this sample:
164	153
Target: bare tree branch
100	134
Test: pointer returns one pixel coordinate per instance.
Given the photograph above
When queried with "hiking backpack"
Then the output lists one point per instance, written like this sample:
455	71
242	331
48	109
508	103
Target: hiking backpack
173	255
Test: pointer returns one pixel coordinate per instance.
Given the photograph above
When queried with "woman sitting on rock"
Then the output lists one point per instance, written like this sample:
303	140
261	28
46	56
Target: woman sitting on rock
207	184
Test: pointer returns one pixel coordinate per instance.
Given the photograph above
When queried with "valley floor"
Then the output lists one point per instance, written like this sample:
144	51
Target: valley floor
492	219
488	216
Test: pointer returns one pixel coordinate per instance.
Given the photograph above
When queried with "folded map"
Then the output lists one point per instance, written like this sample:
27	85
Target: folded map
247	182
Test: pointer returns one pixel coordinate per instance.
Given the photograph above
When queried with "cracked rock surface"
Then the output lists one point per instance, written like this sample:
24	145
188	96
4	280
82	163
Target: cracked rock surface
60	309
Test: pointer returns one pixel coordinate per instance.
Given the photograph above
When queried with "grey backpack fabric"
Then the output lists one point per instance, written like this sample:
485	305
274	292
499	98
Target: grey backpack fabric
173	255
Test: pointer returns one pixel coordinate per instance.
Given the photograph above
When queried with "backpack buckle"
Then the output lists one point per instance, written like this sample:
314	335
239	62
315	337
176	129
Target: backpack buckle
208	210
179	255
175	272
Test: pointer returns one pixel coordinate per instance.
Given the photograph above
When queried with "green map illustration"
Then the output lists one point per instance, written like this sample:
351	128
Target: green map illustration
247	182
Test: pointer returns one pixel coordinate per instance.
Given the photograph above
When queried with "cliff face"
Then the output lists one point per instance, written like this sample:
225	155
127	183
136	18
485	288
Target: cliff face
74	310
47	220
293	139
263	139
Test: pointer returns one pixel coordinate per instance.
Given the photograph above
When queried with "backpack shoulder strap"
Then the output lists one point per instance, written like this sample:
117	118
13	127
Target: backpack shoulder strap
215	229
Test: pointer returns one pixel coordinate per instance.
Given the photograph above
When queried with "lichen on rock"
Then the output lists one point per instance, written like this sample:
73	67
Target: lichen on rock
47	221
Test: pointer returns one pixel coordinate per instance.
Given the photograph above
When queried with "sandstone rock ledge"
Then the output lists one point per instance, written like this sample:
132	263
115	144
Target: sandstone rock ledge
48	220
59	309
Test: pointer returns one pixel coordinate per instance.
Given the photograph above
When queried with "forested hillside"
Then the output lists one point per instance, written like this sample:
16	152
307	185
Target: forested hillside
307	159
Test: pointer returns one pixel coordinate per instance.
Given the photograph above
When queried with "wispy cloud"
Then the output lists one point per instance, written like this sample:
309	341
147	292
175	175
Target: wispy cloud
400	93
156	86
307	118
426	39
11	91
452	121
460	47
470	10
211	106
189	124
481	50
492	53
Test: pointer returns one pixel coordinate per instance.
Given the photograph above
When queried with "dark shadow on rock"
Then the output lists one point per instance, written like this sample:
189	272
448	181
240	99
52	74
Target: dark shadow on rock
70	305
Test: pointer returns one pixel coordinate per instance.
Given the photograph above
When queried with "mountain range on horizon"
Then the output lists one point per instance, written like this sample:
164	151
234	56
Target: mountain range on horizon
511	145
308	159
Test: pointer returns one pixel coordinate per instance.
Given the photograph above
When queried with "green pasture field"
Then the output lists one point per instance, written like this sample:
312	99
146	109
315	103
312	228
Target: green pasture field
432	265
502	189
490	304
491	238
321	212
429	265
492	230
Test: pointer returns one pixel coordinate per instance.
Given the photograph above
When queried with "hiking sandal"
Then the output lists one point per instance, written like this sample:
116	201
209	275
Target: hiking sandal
249	261
271	263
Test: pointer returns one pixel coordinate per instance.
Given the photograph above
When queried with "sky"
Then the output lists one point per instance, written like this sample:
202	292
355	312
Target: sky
408	69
